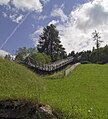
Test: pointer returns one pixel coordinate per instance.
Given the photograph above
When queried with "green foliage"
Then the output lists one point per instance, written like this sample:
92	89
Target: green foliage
50	44
95	56
8	57
41	58
103	55
72	54
47	58
81	56
85	56
22	53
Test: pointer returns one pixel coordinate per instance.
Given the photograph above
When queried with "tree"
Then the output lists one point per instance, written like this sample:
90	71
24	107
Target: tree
8	57
103	55
38	59
72	54
32	51
85	56
22	53
50	44
93	49
96	37
93	57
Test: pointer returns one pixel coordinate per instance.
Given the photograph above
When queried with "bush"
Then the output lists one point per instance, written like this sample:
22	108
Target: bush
41	58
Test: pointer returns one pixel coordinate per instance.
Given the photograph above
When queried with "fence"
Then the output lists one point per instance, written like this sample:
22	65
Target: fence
47	68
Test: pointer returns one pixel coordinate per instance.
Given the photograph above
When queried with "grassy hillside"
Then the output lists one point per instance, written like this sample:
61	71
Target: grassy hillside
17	82
82	94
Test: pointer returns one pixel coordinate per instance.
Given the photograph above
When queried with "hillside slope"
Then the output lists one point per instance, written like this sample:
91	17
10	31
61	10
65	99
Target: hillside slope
84	93
17	81
81	95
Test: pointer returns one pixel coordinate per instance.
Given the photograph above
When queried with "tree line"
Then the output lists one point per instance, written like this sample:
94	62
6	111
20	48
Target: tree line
49	49
96	55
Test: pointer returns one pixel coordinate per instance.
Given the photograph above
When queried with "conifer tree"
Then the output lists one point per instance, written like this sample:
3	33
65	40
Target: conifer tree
49	43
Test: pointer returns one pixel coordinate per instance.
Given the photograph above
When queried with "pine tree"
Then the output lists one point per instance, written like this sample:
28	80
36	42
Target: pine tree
49	43
96	37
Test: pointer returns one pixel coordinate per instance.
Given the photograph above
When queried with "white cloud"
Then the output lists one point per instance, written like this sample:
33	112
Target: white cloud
19	18
4	2
12	8
35	35
76	33
76	28
3	53
42	17
58	12
54	22
33	26
33	5
13	15
4	14
16	18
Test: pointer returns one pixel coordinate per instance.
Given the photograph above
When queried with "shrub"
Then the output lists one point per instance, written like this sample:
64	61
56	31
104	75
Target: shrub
41	58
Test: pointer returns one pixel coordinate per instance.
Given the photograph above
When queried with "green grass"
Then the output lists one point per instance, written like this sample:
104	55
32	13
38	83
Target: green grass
81	95
84	93
17	82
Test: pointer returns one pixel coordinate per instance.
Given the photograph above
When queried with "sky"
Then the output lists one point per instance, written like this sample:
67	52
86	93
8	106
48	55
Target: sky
22	21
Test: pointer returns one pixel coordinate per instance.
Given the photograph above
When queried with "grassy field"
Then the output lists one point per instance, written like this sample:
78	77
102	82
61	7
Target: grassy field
81	95
84	93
